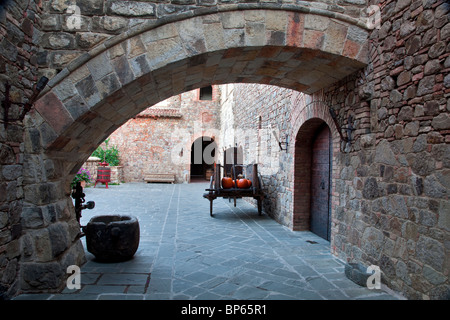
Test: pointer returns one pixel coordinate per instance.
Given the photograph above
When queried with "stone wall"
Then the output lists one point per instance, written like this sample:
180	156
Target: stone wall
250	113
390	197
393	187
159	139
19	32
70	31
36	226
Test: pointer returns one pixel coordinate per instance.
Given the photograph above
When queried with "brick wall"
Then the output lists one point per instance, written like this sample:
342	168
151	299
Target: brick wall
159	139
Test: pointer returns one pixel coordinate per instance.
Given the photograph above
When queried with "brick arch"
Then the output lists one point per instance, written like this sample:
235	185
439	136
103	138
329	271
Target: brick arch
310	119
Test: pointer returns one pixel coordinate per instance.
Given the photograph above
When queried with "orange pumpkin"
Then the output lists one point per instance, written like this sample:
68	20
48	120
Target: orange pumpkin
249	183
242	183
227	183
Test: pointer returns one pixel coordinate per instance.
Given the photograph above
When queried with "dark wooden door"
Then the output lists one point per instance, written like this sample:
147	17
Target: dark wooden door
320	183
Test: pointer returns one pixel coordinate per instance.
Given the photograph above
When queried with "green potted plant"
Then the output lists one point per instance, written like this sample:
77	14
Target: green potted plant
83	176
109	155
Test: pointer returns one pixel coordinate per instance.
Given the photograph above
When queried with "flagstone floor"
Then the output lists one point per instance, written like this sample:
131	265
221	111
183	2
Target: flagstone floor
186	254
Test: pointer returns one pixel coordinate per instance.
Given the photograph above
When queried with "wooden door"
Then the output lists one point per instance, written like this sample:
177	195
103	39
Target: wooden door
320	183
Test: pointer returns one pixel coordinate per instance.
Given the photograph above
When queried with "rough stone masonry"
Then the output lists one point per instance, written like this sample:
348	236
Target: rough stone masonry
112	59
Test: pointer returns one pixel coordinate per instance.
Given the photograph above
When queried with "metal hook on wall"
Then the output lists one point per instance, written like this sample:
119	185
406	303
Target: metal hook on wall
349	129
283	143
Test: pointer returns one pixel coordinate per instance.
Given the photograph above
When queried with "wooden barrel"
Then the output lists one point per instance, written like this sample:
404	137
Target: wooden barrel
103	174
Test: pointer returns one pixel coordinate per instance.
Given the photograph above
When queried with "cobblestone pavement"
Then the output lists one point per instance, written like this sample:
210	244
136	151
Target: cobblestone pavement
186	254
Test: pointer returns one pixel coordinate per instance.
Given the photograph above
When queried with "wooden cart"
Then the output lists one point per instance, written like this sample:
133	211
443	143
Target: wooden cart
216	191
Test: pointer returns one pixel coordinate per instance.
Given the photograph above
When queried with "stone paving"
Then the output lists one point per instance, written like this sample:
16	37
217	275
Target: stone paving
186	254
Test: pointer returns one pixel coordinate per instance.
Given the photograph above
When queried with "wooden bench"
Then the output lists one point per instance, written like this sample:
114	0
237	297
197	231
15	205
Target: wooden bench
159	177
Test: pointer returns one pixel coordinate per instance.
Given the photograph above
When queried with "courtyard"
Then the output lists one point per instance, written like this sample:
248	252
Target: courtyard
343	105
184	254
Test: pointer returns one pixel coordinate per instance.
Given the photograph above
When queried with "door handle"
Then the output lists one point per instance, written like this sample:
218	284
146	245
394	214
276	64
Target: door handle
322	184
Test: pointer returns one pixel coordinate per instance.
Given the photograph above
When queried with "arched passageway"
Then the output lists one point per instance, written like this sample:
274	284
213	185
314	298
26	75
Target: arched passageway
389	192
203	156
92	98
97	93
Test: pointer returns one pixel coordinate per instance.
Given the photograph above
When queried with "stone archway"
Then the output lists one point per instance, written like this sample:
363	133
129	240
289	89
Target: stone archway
203	154
98	95
90	99
98	92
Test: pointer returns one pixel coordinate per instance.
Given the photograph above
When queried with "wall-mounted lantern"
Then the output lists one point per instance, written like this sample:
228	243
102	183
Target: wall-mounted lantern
339	128
283	143
6	103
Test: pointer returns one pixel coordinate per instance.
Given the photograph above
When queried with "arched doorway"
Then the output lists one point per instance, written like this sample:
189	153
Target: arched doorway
312	186
203	153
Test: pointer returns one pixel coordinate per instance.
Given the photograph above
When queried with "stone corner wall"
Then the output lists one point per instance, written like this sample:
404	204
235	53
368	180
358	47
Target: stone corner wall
37	229
392	188
390	197
19	30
